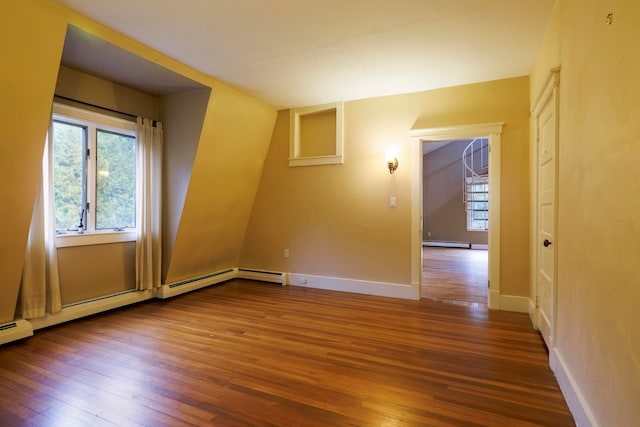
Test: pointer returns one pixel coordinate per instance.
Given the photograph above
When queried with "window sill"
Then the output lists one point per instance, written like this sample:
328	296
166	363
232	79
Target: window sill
99	238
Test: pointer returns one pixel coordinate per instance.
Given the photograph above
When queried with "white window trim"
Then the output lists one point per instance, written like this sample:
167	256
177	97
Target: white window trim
470	219
77	116
295	159
94	238
110	123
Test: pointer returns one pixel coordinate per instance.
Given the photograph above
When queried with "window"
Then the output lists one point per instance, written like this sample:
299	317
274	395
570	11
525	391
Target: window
475	172
94	172
477	206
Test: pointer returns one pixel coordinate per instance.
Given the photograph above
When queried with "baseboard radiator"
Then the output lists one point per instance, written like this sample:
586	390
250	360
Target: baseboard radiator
15	330
262	275
433	243
463	245
172	289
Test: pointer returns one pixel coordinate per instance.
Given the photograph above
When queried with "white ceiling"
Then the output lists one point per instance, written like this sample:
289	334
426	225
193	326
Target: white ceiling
297	53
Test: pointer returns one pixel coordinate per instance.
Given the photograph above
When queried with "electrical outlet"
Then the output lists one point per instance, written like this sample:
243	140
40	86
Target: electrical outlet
286	253
428	234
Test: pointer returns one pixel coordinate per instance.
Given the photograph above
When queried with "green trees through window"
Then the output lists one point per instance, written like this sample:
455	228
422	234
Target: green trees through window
94	176
115	181
69	144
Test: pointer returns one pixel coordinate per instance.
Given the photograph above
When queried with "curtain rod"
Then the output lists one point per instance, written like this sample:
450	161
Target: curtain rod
96	106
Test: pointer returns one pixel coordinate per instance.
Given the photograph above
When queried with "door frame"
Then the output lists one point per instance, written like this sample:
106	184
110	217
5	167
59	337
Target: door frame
493	132
548	93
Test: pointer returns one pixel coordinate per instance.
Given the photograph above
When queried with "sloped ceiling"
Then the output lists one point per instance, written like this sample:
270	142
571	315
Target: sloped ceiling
295	53
87	53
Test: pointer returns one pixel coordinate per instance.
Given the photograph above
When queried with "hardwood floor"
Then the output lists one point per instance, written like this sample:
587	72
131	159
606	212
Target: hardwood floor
253	354
457	276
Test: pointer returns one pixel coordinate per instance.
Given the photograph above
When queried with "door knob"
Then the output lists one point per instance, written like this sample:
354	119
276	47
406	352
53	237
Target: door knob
546	242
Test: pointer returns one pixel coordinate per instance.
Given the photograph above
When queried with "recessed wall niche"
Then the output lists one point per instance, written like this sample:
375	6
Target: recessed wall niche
316	135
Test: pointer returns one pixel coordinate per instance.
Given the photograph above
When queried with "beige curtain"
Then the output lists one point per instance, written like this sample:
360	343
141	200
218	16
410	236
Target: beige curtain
149	206
40	287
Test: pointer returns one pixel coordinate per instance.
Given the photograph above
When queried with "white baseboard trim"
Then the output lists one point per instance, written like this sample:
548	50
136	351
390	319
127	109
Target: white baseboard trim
508	302
177	288
23	328
578	406
392	290
533	314
262	275
479	246
111	302
494	300
88	308
15	330
514	303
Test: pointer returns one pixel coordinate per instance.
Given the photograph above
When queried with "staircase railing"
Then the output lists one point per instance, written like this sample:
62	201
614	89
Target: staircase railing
471	165
475	194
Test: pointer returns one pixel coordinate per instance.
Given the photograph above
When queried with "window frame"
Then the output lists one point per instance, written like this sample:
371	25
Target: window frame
92	121
470	219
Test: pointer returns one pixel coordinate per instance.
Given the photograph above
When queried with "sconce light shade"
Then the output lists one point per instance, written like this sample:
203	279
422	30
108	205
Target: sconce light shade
392	164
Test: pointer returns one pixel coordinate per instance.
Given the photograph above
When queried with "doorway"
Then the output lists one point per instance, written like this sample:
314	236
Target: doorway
455	221
545	114
492	132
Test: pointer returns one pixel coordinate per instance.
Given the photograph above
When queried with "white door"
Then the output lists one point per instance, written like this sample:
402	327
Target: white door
546	130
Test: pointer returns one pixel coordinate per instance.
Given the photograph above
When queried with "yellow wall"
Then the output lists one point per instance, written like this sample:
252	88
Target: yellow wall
31	38
224	180
549	54
598	286
93	90
336	219
235	127
318	134
94	271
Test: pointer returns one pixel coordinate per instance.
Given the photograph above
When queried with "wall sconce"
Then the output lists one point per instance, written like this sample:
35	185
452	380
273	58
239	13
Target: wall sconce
392	164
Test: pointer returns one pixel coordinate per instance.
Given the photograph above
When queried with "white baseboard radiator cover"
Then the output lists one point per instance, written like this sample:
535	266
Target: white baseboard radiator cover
15	330
437	244
462	245
262	275
172	289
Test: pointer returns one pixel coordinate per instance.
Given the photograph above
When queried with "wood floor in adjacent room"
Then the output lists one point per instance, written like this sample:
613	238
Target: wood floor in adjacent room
253	354
455	276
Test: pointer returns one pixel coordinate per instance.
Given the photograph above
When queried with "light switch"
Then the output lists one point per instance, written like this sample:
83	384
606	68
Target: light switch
392	201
